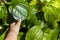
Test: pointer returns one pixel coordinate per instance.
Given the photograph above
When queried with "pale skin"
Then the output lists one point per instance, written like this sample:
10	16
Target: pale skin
14	30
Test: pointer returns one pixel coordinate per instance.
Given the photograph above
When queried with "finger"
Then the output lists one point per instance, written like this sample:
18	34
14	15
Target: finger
13	23
19	22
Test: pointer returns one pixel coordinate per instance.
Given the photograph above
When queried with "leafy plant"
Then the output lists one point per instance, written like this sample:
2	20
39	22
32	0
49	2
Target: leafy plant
40	18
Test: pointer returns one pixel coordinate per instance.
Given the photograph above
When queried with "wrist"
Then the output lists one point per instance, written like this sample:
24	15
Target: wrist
12	35
14	32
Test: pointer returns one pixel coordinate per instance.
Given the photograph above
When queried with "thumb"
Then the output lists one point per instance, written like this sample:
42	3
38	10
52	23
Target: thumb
19	22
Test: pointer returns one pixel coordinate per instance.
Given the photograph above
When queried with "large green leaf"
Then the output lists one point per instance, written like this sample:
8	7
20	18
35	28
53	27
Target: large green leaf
35	33
51	15
3	12
20	11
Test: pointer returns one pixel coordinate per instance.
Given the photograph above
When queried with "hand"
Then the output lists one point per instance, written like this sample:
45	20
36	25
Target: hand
15	26
14	30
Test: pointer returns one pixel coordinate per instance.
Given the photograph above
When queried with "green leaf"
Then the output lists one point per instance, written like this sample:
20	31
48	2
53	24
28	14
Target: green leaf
33	9
14	2
3	12
35	33
33	2
55	3
10	8
51	34
20	35
32	12
20	11
51	15
3	35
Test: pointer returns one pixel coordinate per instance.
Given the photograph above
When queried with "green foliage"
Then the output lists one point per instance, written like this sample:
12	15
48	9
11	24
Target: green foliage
3	12
40	18
20	11
51	15
35	33
2	37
